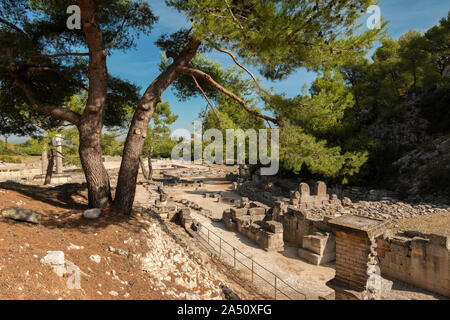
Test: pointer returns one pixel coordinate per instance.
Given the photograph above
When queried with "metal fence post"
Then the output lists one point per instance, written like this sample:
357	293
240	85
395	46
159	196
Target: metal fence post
200	229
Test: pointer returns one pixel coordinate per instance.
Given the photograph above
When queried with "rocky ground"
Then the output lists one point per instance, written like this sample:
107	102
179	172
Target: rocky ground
132	257
395	210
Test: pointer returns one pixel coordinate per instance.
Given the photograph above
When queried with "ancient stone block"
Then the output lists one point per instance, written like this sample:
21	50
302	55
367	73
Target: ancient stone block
257	211
273	226
21	214
238	212
321	189
440	240
303	188
314	258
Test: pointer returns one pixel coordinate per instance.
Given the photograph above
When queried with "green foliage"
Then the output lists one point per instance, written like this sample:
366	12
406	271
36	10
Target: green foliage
158	133
435	107
320	131
281	36
4	149
10	159
31	147
70	146
414	63
37	29
110	145
438	44
414	55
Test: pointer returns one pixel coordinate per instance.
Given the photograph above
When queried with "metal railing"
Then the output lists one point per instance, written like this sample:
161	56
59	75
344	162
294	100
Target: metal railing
256	270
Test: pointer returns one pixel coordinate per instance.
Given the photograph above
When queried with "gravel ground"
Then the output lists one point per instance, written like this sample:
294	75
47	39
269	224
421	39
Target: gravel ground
432	223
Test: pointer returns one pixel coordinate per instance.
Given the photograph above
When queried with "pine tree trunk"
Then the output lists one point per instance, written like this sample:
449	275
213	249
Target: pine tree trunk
97	178
51	164
129	168
91	123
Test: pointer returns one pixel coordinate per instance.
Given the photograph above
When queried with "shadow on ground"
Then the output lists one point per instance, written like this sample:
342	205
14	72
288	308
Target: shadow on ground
60	196
63	206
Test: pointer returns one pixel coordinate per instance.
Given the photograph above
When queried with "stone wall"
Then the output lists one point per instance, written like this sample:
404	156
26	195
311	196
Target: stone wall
420	261
351	259
250	222
357	274
318	248
297	224
269	240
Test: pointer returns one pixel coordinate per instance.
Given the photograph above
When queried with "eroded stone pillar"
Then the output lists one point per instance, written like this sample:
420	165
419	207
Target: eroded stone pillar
44	160
357	275
59	156
321	189
305	193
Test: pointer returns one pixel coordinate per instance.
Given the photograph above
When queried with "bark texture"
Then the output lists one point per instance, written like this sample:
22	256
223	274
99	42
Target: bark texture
91	124
50	165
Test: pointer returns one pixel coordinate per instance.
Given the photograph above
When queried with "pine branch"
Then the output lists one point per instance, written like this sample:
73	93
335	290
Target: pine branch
206	97
13	26
242	67
55	112
207	77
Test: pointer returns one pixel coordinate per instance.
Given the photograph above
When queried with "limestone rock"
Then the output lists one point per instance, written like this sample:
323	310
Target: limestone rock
55	259
92	213
346	202
96	258
74	247
21	214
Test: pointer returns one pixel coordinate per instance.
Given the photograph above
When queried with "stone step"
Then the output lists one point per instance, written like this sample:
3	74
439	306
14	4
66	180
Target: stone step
315	258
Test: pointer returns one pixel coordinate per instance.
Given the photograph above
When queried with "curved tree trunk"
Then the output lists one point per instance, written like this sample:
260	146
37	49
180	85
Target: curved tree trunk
129	168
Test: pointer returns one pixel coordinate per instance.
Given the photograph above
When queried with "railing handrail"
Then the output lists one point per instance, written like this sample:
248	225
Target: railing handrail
277	278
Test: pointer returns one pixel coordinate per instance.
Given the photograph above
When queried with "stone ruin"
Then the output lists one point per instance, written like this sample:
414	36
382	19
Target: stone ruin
162	206
304	219
300	220
422	260
358	277
363	247
249	219
304	200
317	225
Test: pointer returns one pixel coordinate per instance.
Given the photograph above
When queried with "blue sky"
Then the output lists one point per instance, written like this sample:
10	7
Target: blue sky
140	65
